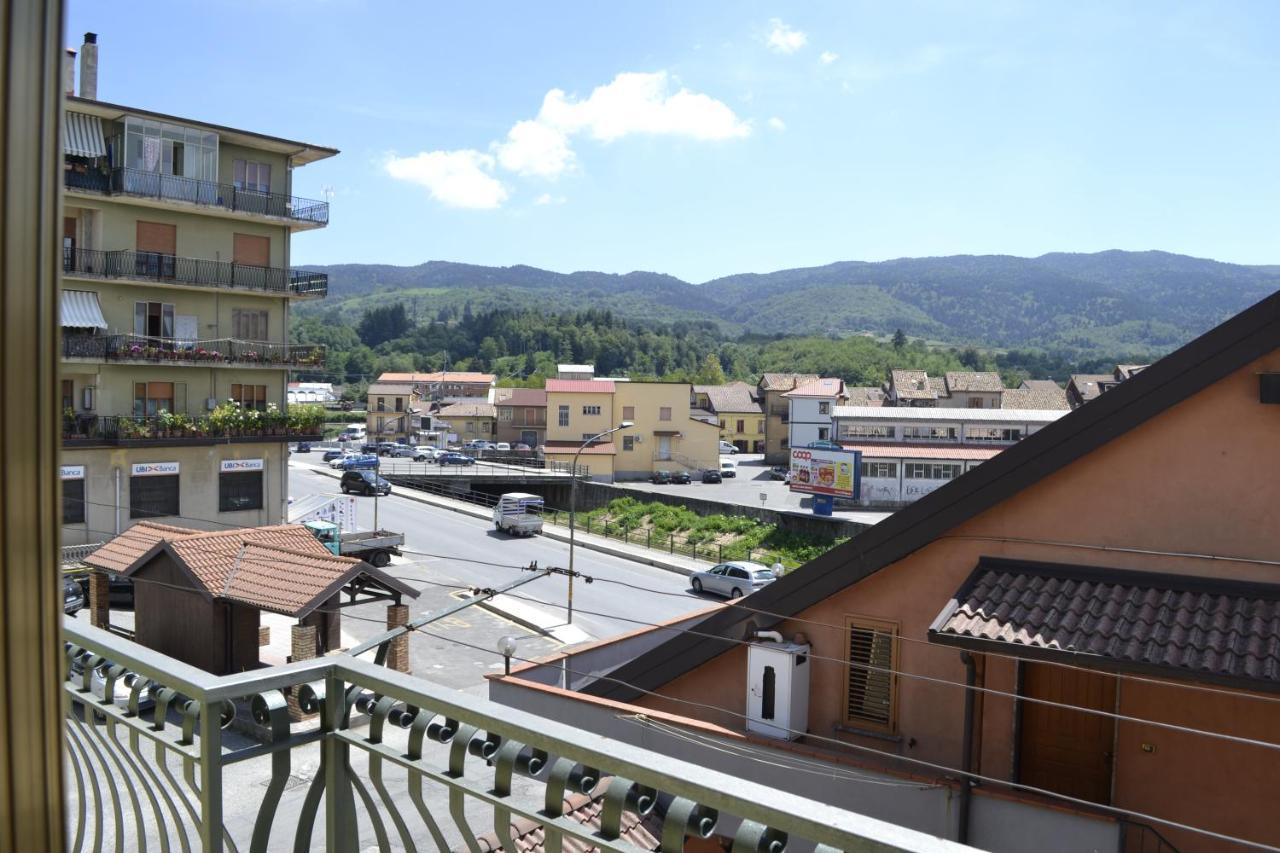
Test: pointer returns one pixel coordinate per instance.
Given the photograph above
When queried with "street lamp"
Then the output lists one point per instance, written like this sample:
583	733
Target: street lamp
573	502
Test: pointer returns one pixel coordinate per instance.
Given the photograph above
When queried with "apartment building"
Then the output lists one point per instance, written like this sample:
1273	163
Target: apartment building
909	452
176	294
394	411
953	390
522	416
444	387
811	405
463	422
1084	387
663	435
736	412
777	412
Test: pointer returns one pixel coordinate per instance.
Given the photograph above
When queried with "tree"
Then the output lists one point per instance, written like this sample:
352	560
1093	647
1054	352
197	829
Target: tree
899	339
710	372
379	325
971	358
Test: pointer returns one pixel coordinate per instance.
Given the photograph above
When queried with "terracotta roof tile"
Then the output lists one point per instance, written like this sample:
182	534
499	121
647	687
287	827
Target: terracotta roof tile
1194	626
959	381
784	381
912	385
522	397
211	556
862	395
530	837
1048	396
469	410
736	397
283	580
121	552
824	387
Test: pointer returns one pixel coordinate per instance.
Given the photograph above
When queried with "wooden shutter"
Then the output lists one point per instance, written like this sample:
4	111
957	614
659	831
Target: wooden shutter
252	250
157	237
871	682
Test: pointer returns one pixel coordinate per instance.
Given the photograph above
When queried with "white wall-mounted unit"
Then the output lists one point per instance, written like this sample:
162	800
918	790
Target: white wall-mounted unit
778	689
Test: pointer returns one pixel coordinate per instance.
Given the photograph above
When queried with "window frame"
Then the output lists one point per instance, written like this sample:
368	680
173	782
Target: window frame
562	416
628	413
76	501
590	409
238	477
664	413
628	443
135	508
251	320
869	468
866	623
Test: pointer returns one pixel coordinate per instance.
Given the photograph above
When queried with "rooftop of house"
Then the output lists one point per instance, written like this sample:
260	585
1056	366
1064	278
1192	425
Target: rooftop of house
447	377
1043	395
535	397
469	410
865	395
911	385
979	381
580	386
1090	385
737	397
784	381
890	414
824	387
395	388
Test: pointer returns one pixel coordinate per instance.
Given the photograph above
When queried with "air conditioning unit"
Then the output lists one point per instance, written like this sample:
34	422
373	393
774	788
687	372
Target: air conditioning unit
211	403
638	439
778	689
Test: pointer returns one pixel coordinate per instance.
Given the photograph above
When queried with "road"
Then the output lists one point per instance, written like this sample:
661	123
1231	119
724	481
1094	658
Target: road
440	546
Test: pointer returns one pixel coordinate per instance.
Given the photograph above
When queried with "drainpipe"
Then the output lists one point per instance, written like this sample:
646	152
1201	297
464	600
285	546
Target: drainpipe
117	513
966	755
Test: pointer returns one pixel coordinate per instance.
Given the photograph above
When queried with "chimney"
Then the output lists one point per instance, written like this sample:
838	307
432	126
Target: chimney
69	72
89	67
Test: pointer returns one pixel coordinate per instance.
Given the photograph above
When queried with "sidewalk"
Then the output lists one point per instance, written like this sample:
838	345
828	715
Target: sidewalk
648	556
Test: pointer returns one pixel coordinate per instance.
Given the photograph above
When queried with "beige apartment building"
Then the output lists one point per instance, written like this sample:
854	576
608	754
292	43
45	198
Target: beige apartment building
777	412
522	416
394	411
176	293
663	437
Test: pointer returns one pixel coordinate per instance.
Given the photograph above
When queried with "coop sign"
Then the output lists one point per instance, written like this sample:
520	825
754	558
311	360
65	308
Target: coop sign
817	471
153	469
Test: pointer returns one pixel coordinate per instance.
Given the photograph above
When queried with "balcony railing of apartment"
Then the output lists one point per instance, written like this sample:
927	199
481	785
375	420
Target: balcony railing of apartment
169	269
85	430
144	184
394	761
191	353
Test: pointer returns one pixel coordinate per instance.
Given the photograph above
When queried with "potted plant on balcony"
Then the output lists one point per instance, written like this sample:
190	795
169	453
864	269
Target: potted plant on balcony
68	422
225	419
274	420
305	420
164	423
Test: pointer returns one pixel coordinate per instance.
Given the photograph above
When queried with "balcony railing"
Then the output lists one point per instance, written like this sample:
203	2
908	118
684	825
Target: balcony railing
394	762
84	430
169	269
206	353
143	184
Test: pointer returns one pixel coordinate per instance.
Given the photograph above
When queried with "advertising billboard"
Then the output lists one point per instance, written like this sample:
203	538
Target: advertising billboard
834	473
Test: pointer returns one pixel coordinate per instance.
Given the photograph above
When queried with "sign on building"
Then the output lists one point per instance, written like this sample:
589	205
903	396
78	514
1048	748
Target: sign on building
832	473
153	469
229	465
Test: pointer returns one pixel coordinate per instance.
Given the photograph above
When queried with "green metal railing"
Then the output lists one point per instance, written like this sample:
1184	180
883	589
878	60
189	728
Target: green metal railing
390	761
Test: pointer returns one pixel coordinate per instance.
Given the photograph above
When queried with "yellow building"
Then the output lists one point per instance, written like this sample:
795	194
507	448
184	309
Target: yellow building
176	294
394	412
663	435
738	414
463	422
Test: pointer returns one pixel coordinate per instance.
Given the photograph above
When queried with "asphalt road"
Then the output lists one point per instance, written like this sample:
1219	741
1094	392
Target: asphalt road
444	548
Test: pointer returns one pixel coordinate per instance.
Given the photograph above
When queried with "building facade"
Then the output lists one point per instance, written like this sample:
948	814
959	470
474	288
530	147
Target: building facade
394	411
777	412
522	416
737	413
459	423
811	407
177	286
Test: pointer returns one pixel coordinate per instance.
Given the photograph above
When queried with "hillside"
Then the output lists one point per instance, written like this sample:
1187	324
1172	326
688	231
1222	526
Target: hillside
1133	302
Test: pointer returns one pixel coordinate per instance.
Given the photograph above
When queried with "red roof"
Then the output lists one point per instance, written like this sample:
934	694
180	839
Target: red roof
606	448
915	451
580	386
818	388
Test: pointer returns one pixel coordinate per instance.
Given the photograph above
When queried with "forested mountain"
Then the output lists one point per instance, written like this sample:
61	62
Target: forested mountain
1082	305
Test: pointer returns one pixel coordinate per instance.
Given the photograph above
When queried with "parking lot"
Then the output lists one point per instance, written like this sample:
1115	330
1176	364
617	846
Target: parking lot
752	481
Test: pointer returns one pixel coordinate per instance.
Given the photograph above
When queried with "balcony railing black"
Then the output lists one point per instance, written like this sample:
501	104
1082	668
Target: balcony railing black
143	184
204	353
169	269
85	430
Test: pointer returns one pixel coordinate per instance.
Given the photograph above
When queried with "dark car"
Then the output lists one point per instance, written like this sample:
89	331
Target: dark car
330	455
681	478
823	445
386	448
303	447
366	461
364	483
711	476
452	458
72	597
778	472
661	478
369	448
119	590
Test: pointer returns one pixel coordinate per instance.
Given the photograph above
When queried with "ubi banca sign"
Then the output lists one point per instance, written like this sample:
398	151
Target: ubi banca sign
153	469
230	465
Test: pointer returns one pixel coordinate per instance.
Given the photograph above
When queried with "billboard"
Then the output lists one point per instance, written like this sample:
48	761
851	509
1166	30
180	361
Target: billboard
819	471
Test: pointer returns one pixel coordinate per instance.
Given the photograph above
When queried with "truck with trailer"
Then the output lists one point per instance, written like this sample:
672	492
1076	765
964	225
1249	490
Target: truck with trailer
375	547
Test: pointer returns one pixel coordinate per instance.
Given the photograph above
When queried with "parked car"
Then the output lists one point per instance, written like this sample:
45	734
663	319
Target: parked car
681	478
303	447
386	448
425	453
121	689
369	447
779	472
524	448
364	482
73	597
728	469
404	451
733	580
367	460
340	461
661	478
726	447
345	437
502	446
711	476
452	458
823	445
119	590
330	455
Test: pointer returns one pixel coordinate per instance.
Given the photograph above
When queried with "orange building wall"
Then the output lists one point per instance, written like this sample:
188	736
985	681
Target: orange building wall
1200	477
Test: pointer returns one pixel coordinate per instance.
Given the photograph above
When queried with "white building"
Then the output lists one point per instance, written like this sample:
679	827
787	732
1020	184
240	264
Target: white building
810	409
311	392
908	452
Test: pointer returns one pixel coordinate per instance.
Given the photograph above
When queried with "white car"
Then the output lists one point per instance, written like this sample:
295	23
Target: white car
338	463
728	469
733	580
425	453
726	447
502	445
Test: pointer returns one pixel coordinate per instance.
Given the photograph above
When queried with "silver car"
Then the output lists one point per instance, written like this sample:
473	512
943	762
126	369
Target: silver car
734	579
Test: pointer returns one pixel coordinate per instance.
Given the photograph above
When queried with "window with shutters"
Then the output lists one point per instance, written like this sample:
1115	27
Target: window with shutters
564	416
250	396
150	398
871	686
152	497
249	325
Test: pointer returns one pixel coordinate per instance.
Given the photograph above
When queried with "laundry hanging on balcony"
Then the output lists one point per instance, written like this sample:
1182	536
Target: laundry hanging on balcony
80	310
82	136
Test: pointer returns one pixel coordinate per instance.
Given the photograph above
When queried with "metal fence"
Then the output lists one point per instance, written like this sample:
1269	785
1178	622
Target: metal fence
205	352
170	269
101	430
392	761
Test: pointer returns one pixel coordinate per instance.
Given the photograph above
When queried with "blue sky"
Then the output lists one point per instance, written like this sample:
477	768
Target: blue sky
710	138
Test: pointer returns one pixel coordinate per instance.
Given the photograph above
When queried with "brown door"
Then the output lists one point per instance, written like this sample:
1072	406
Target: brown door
1063	750
252	251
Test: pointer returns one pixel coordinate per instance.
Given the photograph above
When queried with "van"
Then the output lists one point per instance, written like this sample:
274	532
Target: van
728	468
518	513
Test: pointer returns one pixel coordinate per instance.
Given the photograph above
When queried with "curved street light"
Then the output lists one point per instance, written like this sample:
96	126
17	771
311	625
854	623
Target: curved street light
573	502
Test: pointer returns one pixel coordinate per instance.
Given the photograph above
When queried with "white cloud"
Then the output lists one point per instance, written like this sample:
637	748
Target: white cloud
535	148
827	57
784	39
459	178
548	198
777	124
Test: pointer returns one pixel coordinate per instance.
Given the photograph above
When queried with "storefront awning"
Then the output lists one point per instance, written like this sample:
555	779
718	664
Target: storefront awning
82	136
80	310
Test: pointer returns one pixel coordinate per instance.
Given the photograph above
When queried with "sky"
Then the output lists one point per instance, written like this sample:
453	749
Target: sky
712	138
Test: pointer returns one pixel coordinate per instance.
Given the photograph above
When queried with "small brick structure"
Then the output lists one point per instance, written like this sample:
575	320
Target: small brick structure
302	647
398	649
99	600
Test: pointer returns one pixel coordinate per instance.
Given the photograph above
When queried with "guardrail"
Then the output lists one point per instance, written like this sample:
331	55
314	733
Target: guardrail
170	269
428	766
144	184
72	554
206	353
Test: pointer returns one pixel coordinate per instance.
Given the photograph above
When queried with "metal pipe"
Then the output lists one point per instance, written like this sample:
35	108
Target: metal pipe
117	507
966	754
